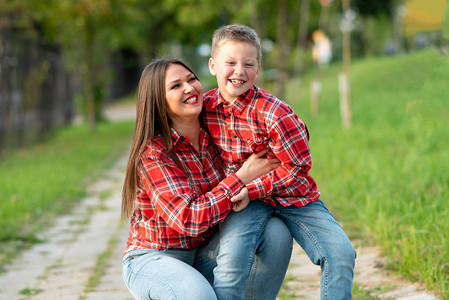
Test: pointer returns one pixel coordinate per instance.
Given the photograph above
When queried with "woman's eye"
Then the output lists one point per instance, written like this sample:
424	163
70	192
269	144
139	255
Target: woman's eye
192	79
175	86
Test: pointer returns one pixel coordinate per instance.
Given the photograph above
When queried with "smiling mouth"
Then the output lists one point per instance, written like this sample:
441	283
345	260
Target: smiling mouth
237	81
193	99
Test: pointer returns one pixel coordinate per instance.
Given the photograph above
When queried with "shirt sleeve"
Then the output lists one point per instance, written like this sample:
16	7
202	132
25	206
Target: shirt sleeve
178	205
289	143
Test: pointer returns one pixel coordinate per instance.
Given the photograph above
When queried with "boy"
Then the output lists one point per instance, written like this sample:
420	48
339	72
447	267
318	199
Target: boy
243	119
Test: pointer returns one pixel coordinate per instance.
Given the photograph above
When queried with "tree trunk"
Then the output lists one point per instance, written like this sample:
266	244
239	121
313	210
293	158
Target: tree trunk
88	74
344	77
281	42
302	35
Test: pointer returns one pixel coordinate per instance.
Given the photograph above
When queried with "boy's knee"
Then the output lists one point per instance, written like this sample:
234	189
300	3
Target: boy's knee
344	252
348	254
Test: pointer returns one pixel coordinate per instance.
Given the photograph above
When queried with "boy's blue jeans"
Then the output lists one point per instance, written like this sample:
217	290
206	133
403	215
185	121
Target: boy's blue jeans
312	226
178	274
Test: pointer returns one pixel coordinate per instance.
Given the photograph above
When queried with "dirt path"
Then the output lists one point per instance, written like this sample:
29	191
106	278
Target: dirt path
80	257
61	266
303	278
92	239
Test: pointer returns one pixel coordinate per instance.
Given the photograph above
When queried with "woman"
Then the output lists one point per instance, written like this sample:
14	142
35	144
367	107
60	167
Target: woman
176	191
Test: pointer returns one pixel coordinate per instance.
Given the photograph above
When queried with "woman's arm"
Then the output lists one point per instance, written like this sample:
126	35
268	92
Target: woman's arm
181	207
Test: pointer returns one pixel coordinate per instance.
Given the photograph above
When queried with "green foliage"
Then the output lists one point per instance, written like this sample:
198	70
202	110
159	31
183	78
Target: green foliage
376	33
387	176
88	31
44	180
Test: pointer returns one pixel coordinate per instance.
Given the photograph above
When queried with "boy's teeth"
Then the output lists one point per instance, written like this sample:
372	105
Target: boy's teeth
237	81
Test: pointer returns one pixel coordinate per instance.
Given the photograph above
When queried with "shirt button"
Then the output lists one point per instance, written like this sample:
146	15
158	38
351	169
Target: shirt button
235	136
228	114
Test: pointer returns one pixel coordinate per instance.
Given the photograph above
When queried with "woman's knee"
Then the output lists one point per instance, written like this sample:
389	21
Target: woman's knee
155	288
163	277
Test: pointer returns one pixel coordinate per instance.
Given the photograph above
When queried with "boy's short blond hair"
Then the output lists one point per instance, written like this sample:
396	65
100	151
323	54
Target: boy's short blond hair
239	33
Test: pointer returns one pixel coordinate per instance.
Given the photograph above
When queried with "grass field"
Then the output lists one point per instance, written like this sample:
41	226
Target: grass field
45	180
387	178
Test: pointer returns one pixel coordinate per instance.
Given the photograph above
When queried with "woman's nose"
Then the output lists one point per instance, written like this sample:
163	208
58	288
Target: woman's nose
188	87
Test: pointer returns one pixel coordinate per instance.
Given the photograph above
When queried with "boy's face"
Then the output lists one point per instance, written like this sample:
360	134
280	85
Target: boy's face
236	67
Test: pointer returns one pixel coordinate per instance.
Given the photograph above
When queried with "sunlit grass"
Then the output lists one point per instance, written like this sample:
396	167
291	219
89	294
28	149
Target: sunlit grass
387	177
45	180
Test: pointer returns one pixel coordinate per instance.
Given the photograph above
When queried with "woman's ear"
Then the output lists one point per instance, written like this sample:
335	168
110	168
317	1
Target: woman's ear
212	70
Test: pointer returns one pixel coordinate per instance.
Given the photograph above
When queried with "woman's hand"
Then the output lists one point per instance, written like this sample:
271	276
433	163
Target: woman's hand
256	166
241	200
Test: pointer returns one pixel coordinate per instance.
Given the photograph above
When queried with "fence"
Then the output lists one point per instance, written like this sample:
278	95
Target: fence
36	94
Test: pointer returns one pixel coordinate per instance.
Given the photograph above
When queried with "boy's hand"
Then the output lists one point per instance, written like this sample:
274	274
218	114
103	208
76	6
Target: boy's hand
241	200
256	165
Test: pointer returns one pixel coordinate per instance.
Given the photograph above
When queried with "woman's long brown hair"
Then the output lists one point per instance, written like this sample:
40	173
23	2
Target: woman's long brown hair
151	119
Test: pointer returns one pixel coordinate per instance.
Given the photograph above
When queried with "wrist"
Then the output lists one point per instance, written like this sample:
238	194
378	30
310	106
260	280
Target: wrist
242	176
255	190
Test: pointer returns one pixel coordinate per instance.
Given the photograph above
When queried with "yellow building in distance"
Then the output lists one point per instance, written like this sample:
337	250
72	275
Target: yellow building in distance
423	16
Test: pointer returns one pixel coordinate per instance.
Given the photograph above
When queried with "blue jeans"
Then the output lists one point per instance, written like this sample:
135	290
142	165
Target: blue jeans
312	226
188	274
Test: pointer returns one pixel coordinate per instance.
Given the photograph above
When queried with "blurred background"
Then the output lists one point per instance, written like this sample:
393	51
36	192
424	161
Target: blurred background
63	57
369	78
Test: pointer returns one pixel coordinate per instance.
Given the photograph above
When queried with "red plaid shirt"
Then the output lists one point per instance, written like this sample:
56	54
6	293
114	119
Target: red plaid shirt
255	121
177	209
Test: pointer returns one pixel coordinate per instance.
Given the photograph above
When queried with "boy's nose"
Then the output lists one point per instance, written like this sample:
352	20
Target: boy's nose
238	70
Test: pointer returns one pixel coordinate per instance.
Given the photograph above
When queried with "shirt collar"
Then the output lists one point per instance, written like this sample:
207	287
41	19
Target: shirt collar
180	138
242	101
175	136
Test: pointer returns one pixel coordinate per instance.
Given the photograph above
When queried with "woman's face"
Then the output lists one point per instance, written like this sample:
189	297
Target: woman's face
183	93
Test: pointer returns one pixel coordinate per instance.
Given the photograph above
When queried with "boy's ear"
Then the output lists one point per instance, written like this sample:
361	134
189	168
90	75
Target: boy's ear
212	70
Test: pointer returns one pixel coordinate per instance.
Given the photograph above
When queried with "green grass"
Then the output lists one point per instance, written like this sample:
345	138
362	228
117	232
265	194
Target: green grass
286	292
387	178
101	264
45	180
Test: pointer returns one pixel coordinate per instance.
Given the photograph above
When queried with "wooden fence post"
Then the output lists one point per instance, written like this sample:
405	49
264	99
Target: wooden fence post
344	77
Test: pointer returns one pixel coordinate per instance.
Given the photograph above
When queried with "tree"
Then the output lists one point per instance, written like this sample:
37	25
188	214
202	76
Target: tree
281	44
86	31
89	30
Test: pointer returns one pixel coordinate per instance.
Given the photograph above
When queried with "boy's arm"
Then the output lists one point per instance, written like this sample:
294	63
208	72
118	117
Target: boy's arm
289	142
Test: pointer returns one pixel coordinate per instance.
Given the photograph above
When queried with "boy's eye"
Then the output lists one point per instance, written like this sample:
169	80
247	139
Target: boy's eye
249	65
231	63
